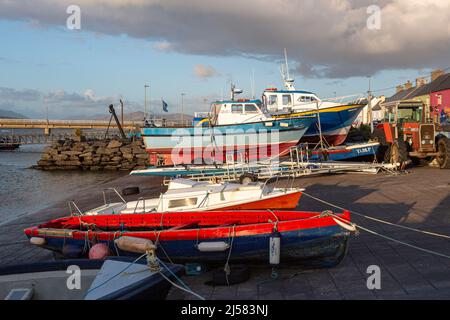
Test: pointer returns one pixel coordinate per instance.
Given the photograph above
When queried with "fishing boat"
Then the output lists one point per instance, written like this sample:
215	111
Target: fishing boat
310	238
188	195
235	126
99	280
334	120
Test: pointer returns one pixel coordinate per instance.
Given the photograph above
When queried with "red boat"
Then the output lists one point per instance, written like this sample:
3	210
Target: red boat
305	237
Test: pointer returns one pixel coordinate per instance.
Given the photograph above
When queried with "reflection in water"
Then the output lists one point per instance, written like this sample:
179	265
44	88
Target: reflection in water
23	190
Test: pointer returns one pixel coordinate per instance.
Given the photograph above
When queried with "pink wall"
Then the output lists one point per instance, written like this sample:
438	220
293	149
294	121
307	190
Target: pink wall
445	100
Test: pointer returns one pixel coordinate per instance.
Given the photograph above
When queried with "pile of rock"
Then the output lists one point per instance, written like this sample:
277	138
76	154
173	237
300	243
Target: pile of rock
94	155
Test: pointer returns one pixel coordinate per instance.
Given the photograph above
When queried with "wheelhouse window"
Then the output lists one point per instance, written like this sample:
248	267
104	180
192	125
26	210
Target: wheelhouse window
251	108
236	108
272	99
175	203
305	99
287	99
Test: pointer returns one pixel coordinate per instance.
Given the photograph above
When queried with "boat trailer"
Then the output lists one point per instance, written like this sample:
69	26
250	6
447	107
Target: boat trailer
298	164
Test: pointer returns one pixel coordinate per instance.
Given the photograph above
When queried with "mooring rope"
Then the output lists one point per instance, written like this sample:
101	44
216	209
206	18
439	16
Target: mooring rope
382	235
379	220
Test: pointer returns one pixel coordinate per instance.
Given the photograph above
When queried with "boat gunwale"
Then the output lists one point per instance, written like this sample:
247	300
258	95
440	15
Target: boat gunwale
316	220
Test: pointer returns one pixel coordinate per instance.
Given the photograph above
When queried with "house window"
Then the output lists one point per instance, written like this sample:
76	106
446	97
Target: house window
236	108
272	99
439	99
287	99
251	108
175	203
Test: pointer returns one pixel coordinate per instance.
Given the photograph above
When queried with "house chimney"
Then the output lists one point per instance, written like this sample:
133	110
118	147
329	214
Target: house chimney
408	85
436	74
421	81
399	88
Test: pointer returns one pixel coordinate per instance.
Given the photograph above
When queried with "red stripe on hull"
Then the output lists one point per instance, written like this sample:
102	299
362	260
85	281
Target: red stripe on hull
286	201
210	226
207	155
332	139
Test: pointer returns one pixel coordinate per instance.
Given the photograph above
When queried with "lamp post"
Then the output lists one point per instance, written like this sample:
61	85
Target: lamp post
182	107
145	100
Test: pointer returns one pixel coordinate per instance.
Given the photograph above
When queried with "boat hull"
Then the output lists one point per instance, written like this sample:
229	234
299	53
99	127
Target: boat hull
345	152
312	240
335	124
285	201
254	141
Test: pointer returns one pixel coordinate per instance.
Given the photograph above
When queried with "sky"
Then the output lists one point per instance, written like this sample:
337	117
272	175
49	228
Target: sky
199	47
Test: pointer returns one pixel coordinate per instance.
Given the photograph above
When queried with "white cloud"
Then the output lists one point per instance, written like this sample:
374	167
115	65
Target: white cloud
203	71
163	46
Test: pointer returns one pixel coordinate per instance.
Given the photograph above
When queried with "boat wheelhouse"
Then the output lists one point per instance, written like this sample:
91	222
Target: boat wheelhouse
334	118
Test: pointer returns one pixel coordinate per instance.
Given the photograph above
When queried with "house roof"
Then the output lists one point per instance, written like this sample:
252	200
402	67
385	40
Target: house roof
444	83
441	83
404	94
377	106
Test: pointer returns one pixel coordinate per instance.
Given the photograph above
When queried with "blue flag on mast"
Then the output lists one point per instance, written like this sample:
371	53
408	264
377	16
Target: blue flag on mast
164	106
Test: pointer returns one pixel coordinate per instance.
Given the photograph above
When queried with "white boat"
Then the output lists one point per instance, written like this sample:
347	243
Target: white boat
188	195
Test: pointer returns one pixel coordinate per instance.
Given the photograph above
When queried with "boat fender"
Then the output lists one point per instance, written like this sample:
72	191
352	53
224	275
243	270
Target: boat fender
347	226
133	244
37	241
99	251
215	246
274	247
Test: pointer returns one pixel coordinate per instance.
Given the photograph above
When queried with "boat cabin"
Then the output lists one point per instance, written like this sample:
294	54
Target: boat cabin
288	100
237	112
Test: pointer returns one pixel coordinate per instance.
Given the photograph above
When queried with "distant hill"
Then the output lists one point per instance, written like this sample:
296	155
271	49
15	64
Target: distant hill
11	115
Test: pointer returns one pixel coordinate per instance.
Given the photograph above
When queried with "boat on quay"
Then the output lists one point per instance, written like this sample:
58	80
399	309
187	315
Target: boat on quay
306	238
235	126
100	279
187	195
335	117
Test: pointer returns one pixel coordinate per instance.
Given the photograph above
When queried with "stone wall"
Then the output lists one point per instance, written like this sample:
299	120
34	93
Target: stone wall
94	155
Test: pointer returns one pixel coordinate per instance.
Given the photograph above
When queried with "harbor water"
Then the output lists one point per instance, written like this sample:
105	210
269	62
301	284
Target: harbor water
24	191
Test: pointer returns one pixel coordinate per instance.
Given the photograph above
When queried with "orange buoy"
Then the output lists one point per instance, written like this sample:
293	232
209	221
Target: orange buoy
99	251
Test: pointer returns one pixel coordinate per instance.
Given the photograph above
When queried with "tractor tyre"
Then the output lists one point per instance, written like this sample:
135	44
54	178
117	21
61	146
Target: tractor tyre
443	159
379	136
397	152
247	178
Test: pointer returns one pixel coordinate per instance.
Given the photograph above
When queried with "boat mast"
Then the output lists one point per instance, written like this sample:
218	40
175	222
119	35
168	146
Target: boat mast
288	81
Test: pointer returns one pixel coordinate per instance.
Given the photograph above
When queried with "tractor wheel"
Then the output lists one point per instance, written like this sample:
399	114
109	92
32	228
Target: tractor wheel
247	178
444	149
396	152
379	136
